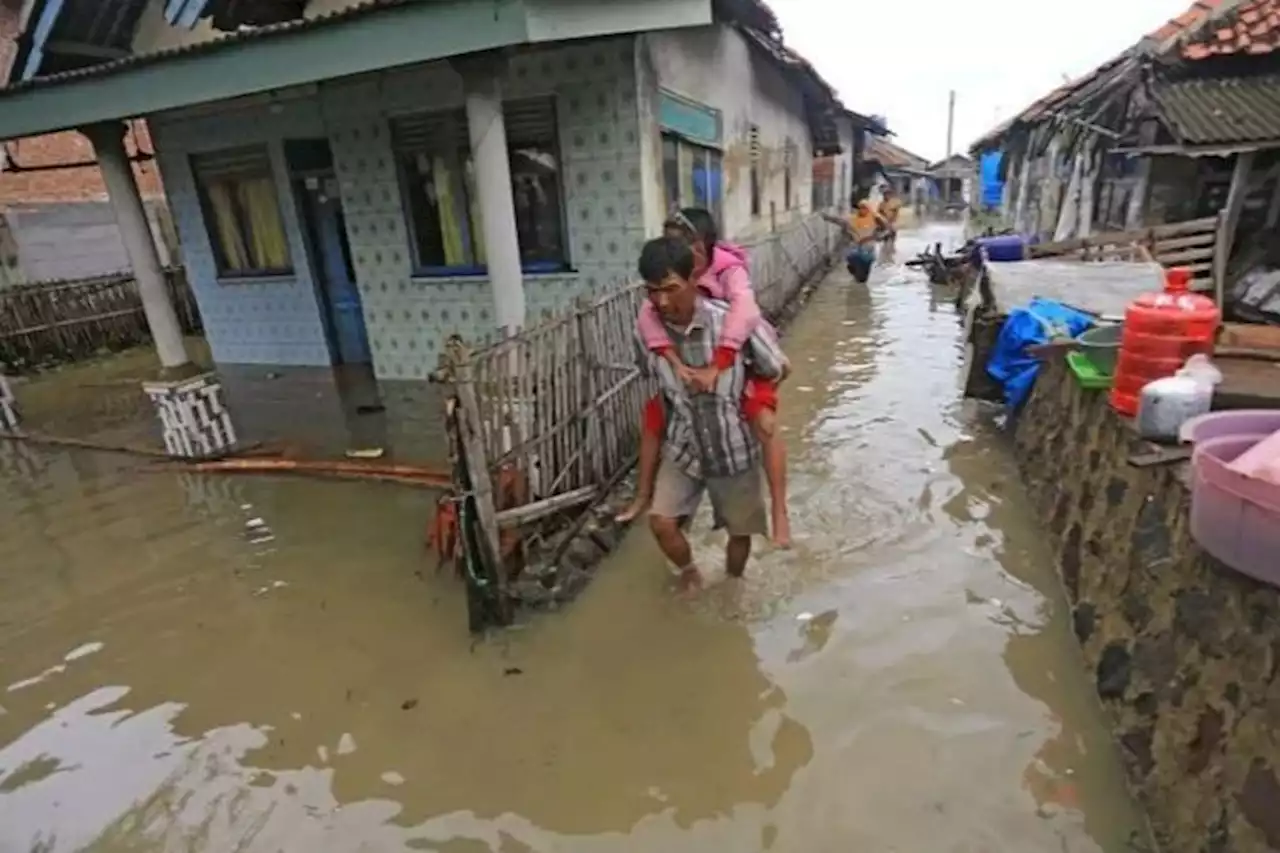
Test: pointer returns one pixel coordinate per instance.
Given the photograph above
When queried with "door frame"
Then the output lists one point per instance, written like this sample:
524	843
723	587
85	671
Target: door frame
298	178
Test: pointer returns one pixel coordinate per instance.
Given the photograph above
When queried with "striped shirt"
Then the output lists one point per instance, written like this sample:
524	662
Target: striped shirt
707	435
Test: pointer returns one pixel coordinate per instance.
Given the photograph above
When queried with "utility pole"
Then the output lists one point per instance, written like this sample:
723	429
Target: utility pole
951	121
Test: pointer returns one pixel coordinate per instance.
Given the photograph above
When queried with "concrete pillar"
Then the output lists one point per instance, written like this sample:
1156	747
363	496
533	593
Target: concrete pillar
488	133
139	246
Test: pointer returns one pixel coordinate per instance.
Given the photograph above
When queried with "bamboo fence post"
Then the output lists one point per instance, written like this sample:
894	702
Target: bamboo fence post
478	469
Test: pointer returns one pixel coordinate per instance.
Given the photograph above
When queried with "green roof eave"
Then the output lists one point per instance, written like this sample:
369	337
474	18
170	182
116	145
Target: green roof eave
214	71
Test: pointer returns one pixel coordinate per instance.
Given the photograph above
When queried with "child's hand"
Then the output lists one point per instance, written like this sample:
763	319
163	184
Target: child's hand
704	378
687	375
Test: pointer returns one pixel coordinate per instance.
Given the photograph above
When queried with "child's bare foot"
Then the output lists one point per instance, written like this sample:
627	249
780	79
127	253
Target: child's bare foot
690	582
638	507
781	529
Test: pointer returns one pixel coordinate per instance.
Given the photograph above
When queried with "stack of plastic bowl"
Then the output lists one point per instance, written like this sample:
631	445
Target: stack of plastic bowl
1234	518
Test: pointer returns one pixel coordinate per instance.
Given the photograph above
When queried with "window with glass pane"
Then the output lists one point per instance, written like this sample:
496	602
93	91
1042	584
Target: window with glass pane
692	175
237	193
438	183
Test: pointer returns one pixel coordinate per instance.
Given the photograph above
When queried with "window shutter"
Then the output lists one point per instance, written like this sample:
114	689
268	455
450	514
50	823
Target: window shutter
530	122
252	162
436	132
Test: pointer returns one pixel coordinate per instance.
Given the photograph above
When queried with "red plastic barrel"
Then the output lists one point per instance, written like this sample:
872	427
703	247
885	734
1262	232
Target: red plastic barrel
1161	331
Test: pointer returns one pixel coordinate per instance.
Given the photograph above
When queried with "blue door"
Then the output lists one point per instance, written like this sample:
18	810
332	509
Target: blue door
323	207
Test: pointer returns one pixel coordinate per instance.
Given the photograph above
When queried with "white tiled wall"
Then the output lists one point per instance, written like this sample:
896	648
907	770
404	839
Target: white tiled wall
409	318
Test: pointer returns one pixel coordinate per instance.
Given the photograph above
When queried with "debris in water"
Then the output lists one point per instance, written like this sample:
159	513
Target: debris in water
346	744
391	777
323	752
366	453
804	617
995	602
255	522
408	704
278	584
296	715
513	670
84	651
805	388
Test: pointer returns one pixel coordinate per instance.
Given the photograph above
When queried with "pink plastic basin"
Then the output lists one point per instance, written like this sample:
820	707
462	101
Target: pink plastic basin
1235	422
1235	518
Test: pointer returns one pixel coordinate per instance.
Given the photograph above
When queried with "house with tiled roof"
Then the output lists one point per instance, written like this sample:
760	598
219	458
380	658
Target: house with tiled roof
1153	135
55	222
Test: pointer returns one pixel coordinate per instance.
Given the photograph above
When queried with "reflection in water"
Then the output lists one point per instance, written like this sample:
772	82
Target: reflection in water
196	664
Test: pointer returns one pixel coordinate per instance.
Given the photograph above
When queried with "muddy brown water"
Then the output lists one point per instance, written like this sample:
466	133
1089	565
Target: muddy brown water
201	664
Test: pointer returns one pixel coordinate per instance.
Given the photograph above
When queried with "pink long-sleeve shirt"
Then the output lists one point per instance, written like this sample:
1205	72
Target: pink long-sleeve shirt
726	279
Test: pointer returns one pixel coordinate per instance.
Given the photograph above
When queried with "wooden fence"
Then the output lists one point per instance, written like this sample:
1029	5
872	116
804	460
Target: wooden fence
544	424
58	322
1188	244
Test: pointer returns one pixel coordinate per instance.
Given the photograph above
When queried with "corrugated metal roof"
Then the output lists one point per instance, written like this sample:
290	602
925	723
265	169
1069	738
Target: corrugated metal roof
1252	28
244	35
1219	111
893	156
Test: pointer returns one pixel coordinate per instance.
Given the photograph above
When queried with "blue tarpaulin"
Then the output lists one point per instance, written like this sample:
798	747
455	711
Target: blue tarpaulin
1039	322
992	186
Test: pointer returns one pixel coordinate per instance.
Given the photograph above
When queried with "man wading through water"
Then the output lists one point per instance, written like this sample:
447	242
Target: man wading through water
708	444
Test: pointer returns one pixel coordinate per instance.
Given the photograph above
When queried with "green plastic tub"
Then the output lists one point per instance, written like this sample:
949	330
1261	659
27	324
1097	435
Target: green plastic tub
1102	346
1087	373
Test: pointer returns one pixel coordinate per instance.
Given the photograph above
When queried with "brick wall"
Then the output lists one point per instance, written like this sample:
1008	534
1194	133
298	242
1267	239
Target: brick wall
72	232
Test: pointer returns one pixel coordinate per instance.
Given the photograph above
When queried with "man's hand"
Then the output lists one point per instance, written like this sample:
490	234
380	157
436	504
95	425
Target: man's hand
703	378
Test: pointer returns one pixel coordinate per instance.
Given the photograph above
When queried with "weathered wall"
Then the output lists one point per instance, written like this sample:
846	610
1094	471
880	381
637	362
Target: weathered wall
716	67
1185	652
68	240
278	320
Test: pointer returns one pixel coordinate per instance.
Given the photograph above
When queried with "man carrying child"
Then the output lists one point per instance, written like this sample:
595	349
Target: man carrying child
708	444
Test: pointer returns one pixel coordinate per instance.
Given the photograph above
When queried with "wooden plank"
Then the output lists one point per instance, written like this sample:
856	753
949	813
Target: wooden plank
470	417
1249	335
1190	226
517	516
1186	256
1229	221
1174	243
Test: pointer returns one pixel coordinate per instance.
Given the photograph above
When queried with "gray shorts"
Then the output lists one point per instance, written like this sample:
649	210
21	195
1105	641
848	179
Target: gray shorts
736	502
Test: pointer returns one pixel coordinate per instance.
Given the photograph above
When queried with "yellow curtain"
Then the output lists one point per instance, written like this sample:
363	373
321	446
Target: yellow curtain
447	201
477	224
234	253
269	246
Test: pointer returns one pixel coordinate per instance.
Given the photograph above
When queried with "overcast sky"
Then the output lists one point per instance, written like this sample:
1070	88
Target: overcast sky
899	58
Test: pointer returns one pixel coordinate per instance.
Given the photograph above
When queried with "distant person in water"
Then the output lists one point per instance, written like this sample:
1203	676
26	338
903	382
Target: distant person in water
720	271
707	444
889	210
864	226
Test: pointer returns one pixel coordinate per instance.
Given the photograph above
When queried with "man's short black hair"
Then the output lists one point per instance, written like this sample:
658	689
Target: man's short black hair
663	256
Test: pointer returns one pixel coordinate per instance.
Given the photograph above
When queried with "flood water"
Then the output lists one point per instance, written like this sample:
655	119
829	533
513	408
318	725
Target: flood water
199	664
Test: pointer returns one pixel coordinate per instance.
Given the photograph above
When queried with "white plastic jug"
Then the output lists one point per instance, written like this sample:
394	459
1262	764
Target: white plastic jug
1166	404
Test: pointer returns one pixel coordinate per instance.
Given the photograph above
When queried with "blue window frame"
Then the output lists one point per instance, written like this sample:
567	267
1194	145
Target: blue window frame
437	182
693	175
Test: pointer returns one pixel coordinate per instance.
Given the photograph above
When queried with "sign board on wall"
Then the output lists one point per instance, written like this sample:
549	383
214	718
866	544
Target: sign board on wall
694	121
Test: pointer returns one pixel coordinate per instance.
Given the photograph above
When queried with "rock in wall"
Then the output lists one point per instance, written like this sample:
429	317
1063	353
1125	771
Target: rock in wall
1184	651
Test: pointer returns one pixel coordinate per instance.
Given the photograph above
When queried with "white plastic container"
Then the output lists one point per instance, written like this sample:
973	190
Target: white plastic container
1166	404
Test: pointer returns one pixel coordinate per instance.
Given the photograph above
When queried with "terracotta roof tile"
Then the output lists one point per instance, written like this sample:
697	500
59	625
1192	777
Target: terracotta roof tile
1251	28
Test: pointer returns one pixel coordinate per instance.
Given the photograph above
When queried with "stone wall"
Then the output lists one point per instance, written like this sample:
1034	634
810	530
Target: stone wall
1185	652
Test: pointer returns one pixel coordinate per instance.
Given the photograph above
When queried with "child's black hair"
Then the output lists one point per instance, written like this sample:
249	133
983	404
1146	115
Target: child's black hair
663	256
700	222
